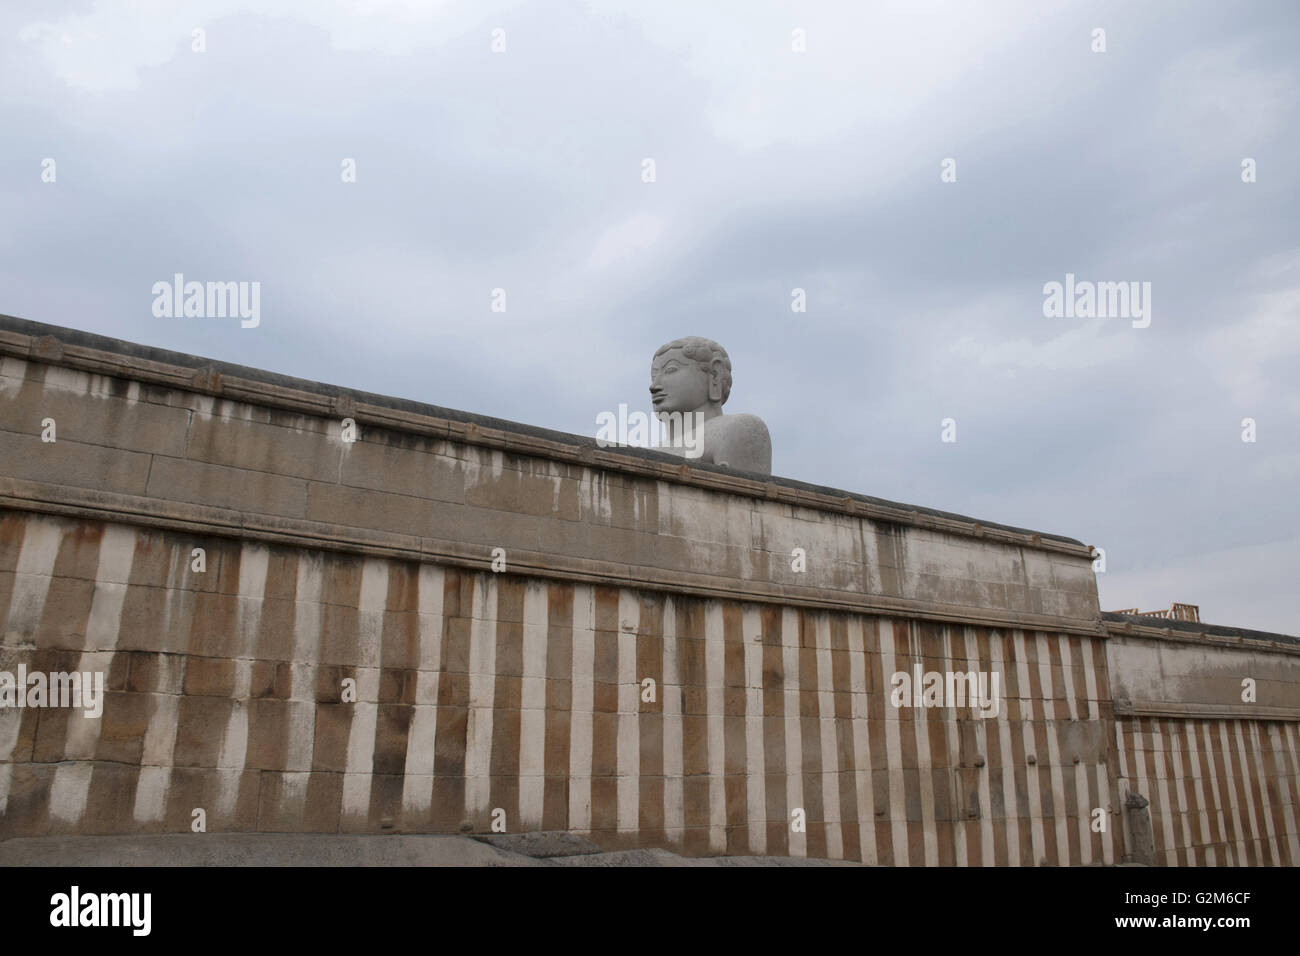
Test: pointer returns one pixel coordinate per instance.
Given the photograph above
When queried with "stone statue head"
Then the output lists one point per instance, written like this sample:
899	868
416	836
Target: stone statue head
689	374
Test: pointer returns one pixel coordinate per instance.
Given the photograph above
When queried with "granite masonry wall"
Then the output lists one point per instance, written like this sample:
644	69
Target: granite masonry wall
1220	771
643	663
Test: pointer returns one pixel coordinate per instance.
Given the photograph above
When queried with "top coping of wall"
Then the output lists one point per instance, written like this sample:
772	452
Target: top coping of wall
1144	626
750	484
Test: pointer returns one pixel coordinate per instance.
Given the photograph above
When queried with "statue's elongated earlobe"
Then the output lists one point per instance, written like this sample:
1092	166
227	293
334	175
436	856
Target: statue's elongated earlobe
715	383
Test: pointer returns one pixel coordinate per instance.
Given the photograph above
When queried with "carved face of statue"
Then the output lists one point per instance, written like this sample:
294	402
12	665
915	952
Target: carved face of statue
678	383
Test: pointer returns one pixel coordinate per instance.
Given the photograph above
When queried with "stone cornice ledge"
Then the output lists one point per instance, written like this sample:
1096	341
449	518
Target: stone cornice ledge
1199	638
207	380
1159	708
19	495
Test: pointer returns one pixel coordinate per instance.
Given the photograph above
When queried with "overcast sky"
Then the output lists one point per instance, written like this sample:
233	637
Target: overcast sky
774	170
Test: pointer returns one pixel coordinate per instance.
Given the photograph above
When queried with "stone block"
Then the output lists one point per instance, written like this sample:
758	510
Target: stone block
254	492
122	726
333	728
110	421
291	446
377	463
70	462
209	677
269	722
200	727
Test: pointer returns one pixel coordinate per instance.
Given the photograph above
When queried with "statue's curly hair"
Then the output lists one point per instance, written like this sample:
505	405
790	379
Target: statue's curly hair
704	352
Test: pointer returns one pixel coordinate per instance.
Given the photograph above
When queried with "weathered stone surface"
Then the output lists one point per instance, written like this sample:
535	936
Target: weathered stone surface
1166	677
245	490
68	461
284	849
542	844
98	411
292	446
261	849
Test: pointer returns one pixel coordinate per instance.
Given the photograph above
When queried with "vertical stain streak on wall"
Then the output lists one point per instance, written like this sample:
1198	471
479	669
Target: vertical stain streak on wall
32	572
308	624
859	681
674	782
532	735
482	687
751	636
72	778
628	760
581	721
714	662
828	739
794	795
253	560
417	781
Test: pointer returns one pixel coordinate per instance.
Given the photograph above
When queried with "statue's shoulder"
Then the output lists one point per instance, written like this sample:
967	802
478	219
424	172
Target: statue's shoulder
741	442
748	425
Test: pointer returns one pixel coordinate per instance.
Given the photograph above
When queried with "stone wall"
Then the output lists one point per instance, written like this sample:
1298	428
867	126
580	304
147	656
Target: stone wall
1222	792
480	691
268	462
1208	733
523	687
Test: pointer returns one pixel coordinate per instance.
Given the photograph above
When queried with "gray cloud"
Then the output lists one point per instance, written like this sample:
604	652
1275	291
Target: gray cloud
775	171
